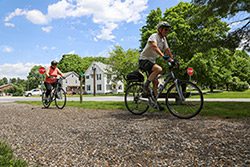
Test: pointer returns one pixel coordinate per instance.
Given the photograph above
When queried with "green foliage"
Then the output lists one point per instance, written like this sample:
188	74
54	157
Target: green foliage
7	158
34	78
225	9
3	81
71	62
238	85
123	62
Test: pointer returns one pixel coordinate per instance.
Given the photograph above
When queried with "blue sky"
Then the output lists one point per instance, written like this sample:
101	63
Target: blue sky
36	32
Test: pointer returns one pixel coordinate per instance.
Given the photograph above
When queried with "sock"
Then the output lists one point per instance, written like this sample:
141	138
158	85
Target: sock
147	83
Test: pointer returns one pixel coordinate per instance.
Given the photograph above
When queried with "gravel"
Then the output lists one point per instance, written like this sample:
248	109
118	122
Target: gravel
83	137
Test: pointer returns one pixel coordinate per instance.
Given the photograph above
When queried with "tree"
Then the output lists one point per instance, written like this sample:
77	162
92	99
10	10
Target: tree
123	62
213	68
34	78
227	9
3	81
71	62
241	66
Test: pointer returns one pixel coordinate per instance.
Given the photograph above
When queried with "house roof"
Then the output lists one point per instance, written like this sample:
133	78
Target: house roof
5	87
101	65
66	74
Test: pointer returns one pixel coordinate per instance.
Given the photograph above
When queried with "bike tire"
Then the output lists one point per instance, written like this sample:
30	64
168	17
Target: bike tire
134	99
60	98
46	101
191	106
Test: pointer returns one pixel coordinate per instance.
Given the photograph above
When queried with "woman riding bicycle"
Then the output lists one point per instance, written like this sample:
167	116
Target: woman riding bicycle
156	46
51	77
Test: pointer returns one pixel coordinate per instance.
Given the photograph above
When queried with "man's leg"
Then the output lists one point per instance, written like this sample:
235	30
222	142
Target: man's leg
156	70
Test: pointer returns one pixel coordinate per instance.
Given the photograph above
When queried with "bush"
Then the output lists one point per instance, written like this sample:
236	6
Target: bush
238	85
7	158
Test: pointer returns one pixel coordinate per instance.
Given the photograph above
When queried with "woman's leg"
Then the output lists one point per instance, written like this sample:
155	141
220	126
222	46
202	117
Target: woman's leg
48	89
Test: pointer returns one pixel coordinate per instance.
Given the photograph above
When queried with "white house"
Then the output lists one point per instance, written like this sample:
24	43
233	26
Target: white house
71	83
97	80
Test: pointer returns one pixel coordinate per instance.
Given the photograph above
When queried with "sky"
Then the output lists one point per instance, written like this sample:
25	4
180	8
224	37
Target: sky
39	31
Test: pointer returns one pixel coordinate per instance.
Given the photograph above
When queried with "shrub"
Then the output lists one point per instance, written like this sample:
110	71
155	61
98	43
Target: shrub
238	85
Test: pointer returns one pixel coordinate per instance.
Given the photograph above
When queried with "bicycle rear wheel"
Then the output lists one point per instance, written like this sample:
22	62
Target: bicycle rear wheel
134	100
46	101
60	98
186	104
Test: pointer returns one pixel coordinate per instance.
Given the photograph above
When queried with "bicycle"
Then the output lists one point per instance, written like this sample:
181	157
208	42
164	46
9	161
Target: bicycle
183	98
57	94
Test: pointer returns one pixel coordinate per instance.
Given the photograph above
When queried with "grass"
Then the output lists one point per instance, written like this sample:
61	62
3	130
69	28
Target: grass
216	109
7	157
228	94
206	94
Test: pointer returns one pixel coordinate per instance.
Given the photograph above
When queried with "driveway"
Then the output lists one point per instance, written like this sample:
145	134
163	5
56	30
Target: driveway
83	137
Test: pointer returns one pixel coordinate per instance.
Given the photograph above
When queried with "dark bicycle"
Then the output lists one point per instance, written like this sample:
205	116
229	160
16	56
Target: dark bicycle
57	94
183	98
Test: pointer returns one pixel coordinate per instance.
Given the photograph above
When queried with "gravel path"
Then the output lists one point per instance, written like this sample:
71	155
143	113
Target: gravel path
82	137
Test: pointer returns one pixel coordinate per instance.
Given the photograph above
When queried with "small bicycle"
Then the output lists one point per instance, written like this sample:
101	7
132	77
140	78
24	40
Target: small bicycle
183	98
57	94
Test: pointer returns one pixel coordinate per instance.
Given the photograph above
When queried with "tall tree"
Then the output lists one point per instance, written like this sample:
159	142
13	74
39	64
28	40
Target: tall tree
71	62
34	78
123	62
227	9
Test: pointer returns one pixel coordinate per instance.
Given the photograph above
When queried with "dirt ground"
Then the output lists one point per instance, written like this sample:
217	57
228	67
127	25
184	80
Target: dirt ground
83	137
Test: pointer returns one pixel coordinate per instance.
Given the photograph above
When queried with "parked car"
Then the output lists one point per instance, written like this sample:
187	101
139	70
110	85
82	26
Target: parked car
33	92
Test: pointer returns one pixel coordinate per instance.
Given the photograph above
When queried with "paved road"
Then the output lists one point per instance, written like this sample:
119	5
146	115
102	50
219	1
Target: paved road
104	98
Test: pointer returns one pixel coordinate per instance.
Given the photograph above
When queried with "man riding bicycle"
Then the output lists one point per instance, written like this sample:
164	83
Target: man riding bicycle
51	77
156	46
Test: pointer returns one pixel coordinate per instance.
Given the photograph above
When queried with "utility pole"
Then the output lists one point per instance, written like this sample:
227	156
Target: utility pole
81	79
94	79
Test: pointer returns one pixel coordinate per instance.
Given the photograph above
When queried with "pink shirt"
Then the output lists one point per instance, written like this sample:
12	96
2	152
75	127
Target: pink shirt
52	72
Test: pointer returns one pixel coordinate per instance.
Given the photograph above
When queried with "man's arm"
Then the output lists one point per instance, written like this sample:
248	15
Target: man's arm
156	48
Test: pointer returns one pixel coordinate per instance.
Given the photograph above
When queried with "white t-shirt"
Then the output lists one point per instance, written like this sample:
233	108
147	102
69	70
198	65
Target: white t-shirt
148	53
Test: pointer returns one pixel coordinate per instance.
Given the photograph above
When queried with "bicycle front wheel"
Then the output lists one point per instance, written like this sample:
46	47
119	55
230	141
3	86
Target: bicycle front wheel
46	101
60	98
134	100
185	100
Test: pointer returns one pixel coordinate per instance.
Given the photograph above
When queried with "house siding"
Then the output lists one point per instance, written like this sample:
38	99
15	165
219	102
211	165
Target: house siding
89	81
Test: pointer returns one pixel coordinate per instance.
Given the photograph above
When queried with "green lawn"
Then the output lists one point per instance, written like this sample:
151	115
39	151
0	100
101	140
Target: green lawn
207	94
228	94
217	109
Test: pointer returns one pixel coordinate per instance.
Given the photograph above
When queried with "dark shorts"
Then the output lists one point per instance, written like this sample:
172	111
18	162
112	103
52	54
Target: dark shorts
146	66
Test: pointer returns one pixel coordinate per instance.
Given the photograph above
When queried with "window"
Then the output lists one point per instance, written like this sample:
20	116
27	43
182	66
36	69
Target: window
98	76
99	87
87	76
88	87
72	75
108	76
108	87
120	87
76	81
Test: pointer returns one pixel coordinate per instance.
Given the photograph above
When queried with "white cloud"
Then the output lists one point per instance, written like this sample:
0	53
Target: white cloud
7	49
9	25
20	70
106	32
36	17
103	12
47	29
